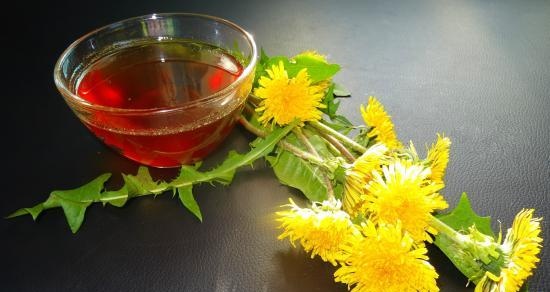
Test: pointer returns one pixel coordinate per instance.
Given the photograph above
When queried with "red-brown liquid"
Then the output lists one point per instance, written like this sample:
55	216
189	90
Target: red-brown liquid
156	76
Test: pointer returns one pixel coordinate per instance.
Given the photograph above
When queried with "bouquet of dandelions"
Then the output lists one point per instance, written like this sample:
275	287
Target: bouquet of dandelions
373	200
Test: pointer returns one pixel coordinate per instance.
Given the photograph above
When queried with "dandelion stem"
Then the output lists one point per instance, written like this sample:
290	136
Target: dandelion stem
298	132
444	229
310	132
343	138
254	100
251	128
248	109
283	144
339	146
302	154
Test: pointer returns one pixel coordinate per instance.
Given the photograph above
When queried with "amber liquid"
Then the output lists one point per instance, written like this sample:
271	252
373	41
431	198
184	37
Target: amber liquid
161	75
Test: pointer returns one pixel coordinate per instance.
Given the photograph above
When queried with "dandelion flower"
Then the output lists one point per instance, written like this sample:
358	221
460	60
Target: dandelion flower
404	194
438	157
286	99
386	259
382	130
359	174
520	249
321	229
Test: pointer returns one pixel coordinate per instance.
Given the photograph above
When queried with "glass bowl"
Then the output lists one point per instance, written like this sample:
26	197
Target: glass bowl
161	89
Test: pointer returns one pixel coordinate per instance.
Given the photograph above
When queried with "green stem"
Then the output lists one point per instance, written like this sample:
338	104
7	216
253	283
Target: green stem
302	154
339	147
298	132
283	144
310	132
341	137
250	127
254	99
445	229
473	253
249	109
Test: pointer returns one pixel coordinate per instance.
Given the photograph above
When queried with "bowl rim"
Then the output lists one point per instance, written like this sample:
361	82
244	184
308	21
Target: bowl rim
78	101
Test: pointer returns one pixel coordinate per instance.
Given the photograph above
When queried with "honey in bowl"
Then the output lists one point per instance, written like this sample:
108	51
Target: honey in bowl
157	75
161	89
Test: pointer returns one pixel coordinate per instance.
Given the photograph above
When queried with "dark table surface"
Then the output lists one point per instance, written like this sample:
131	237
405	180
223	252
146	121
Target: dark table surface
478	71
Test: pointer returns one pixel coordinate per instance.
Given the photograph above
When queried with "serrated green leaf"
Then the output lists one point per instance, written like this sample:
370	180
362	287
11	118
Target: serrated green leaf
73	202
143	184
188	174
186	197
299	174
87	193
340	90
33	211
463	217
116	198
260	148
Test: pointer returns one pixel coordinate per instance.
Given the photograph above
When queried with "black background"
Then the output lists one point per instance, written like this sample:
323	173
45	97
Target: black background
478	71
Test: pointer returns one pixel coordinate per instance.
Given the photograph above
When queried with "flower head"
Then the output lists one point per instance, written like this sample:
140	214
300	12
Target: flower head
403	193
386	259
438	157
382	130
359	174
520	249
321	229
286	99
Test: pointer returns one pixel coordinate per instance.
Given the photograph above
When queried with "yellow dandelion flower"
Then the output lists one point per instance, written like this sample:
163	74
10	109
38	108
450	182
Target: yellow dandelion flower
359	174
321	229
386	259
438	157
382	130
402	193
520	249
286	99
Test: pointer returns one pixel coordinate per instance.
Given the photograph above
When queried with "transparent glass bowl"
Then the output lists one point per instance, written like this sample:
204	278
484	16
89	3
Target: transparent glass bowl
160	136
